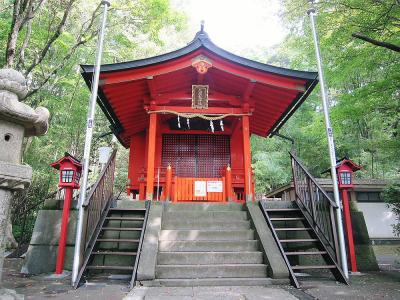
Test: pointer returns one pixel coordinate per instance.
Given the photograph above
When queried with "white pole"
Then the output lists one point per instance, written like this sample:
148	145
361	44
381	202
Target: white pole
331	145
88	144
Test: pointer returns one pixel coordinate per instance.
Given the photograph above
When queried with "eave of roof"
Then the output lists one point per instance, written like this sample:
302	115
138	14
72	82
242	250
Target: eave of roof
202	40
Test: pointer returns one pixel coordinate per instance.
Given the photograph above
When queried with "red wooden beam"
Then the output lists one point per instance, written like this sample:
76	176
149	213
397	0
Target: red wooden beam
249	89
164	98
227	131
151	84
247	158
261	78
270	90
151	151
200	78
258	127
274	106
185	62
146	72
209	111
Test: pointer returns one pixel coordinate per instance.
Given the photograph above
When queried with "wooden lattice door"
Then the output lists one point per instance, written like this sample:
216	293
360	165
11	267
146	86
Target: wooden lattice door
198	156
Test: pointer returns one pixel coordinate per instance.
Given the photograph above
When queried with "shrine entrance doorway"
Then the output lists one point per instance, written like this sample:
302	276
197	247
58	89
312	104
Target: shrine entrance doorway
199	161
196	155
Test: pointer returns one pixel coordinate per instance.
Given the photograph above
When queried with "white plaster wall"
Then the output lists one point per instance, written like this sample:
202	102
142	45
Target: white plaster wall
379	219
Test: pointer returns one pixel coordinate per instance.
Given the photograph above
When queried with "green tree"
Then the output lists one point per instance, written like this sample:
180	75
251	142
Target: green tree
363	80
391	196
46	41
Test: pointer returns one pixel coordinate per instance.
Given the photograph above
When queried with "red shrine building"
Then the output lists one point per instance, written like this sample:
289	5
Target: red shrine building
187	117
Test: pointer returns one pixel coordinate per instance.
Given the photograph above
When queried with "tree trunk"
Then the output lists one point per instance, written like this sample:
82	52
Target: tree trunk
376	42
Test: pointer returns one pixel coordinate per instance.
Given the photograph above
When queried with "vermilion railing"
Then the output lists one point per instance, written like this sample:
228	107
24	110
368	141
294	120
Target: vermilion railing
317	207
185	189
99	197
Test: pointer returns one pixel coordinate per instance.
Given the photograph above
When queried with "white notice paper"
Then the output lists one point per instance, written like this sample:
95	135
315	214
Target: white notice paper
214	186
200	189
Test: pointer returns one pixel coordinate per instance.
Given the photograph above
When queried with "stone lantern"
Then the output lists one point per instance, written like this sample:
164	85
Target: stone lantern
17	120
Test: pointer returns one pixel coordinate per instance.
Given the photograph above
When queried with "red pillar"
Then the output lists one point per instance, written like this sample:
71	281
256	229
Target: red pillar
64	230
349	230
142	191
151	151
175	190
253	183
168	183
247	158
228	183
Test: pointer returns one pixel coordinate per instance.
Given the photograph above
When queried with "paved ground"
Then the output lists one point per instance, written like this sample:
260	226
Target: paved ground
42	287
210	293
374	285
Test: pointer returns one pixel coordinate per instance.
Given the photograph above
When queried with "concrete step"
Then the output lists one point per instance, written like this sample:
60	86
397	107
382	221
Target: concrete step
205	207
208	235
113	260
209	258
212	271
280	204
118	268
124	224
214	282
206	215
215	246
129	203
202	224
124	234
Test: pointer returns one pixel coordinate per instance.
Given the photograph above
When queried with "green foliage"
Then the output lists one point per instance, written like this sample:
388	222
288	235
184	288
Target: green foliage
27	203
133	31
363	82
391	195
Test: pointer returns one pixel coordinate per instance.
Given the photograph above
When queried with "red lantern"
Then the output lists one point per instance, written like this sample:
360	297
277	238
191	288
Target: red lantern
70	172
345	169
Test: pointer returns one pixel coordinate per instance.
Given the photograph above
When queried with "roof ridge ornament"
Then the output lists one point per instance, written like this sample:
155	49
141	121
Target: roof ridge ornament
202	64
202	26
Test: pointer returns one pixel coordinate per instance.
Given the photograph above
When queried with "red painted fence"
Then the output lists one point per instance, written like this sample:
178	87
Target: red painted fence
185	189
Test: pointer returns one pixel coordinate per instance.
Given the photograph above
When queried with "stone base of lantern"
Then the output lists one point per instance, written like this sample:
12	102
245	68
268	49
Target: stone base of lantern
42	250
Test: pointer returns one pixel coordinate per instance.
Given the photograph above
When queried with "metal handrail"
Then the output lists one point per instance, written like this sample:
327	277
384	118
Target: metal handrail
140	245
99	196
316	206
333	203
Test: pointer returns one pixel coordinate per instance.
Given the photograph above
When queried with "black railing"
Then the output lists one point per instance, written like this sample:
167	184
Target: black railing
140	246
99	197
317	206
96	206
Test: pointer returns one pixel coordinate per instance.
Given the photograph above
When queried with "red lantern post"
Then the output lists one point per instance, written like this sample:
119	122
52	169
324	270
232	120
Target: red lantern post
70	172
345	169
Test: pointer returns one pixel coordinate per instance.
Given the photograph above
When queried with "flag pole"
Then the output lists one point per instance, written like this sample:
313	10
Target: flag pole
331	144
88	144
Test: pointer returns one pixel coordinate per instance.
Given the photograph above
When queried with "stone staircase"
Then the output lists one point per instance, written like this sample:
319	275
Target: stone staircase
209	244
